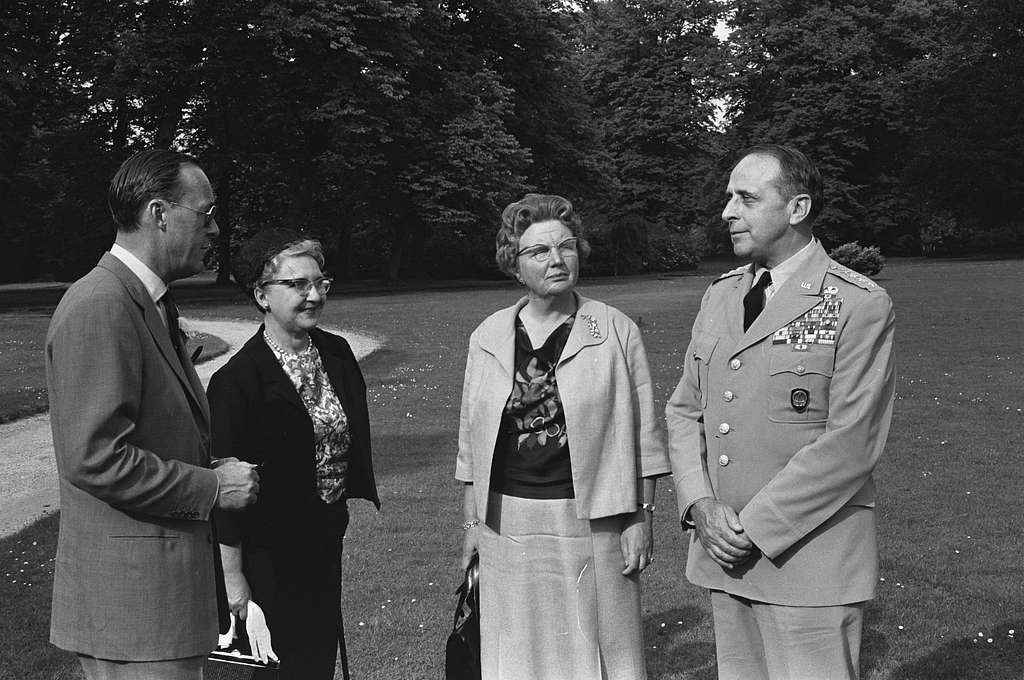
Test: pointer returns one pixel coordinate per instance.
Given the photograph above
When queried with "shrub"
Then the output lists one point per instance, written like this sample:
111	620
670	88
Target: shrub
672	253
906	244
944	237
867	260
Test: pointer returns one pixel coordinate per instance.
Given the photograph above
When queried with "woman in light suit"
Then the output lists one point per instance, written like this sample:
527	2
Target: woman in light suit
559	449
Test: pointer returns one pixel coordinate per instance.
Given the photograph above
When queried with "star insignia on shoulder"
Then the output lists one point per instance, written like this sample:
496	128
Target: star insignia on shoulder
852	276
739	271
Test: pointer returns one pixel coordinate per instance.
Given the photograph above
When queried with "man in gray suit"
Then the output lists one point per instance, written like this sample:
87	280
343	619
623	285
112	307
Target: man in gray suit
134	583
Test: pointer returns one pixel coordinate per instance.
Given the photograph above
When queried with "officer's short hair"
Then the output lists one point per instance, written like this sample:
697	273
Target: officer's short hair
797	174
154	173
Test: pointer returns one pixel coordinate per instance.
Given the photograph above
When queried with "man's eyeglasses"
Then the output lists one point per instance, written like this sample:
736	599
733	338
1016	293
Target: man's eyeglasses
542	253
301	286
208	214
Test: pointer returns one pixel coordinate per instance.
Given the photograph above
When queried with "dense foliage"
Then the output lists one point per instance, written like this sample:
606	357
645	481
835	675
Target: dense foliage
867	260
396	130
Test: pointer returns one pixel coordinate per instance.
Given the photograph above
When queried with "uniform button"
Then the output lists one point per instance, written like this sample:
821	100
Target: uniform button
723	460
724	428
735	364
800	369
728	395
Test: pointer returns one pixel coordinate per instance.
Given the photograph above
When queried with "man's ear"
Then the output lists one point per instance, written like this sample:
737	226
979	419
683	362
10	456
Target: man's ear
153	213
799	208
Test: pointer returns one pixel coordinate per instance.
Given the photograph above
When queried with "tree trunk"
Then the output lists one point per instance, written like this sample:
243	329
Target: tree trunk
224	195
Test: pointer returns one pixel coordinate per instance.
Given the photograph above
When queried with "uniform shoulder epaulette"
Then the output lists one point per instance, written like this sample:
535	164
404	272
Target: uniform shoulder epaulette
849	275
739	271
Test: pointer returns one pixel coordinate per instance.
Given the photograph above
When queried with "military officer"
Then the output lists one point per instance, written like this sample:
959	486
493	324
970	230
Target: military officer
775	427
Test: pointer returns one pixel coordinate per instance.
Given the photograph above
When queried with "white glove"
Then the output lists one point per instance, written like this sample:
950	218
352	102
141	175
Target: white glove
259	634
224	641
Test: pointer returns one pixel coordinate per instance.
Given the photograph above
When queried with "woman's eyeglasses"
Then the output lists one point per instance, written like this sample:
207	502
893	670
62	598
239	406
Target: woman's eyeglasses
301	286
542	253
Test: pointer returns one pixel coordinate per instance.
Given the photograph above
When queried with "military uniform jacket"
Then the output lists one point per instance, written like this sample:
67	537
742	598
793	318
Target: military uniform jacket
785	423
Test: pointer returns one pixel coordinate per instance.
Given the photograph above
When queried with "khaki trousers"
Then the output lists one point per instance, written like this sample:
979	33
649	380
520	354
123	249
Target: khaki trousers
190	668
760	641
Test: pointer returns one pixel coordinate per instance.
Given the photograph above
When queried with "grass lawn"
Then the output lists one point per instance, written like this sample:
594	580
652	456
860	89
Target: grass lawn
22	375
949	517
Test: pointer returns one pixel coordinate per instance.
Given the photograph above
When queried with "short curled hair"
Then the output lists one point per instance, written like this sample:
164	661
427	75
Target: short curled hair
260	258
797	174
154	173
519	216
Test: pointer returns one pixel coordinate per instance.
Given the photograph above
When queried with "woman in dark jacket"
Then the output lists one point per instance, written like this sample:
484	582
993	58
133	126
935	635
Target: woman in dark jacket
292	401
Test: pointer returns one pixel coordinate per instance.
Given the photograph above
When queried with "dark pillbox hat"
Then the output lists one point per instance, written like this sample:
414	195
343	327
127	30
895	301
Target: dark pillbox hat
248	263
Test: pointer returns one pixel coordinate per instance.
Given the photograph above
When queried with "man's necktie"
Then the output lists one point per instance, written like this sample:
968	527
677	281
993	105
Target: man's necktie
172	321
753	302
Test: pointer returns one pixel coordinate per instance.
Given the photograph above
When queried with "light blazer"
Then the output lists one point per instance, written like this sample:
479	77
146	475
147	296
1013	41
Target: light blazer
258	416
615	440
797	472
134	576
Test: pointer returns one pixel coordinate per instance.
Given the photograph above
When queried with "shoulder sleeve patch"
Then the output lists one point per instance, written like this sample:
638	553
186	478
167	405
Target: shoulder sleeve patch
850	276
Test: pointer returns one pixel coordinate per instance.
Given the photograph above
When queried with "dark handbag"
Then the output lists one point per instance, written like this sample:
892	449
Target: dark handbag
462	653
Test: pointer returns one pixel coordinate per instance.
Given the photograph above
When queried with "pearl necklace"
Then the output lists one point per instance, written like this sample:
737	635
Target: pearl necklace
270	341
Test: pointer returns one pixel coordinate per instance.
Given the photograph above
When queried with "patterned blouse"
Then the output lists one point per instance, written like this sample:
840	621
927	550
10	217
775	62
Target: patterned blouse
531	456
331	435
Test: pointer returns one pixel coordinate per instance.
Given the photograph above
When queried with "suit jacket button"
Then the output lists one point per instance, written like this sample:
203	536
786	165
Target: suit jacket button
728	395
723	460
724	428
735	364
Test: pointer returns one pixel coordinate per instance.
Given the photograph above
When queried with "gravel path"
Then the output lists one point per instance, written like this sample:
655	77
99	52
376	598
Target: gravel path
28	473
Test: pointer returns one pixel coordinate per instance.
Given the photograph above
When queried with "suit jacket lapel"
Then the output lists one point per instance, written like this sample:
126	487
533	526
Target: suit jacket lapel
590	327
798	295
277	381
188	378
498	337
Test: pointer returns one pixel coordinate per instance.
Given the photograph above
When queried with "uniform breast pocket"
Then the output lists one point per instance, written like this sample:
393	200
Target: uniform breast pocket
703	347
798	386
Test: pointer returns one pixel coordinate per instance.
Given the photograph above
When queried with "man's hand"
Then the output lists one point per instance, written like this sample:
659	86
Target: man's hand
720	533
239	483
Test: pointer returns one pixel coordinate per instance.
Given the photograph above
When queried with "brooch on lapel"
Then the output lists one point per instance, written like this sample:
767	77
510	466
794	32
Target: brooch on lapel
591	325
818	326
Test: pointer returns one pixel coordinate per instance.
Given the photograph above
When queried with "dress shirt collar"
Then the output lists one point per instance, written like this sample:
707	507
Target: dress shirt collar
787	268
155	286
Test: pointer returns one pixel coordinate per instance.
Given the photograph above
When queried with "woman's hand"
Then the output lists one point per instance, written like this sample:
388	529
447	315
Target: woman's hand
470	545
238	593
637	542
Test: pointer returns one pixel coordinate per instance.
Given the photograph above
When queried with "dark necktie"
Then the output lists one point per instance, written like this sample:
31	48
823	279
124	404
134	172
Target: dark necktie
753	302
172	321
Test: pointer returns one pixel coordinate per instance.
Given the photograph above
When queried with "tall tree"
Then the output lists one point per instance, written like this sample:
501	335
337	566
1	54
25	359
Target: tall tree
653	69
968	154
831	79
